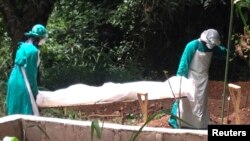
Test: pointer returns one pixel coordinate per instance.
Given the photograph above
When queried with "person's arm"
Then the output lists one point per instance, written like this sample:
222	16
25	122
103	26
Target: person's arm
20	59
186	58
220	51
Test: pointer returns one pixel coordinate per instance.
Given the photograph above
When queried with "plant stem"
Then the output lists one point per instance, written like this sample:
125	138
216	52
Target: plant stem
227	59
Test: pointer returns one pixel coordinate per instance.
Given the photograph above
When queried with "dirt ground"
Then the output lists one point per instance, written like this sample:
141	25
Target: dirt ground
132	114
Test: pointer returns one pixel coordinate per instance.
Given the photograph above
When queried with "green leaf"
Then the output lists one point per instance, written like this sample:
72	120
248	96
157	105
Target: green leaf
7	138
96	128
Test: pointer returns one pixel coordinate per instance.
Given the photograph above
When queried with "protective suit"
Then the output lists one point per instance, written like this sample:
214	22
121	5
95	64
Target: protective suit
194	63
27	57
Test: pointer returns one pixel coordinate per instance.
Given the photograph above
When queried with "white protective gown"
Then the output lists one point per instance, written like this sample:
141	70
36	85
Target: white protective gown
196	113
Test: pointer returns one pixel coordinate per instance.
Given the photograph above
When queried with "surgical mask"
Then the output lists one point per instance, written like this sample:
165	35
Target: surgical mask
210	46
212	43
42	41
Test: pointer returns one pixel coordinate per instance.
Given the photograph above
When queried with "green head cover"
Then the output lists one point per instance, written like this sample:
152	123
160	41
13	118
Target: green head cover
38	30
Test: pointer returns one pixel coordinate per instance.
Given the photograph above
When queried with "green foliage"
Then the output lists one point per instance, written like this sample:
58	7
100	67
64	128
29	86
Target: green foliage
5	65
95	128
53	112
2	98
97	41
84	46
242	8
241	58
8	138
94	42
5	55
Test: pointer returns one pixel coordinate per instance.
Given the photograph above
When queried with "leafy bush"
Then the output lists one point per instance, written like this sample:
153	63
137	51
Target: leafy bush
5	65
91	48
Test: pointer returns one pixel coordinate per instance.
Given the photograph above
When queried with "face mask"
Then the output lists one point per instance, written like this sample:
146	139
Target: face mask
210	46
41	42
212	43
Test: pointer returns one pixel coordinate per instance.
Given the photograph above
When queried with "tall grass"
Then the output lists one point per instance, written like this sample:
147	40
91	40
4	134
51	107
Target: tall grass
2	98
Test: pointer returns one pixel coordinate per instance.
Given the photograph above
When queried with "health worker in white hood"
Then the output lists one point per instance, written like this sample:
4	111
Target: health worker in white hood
194	63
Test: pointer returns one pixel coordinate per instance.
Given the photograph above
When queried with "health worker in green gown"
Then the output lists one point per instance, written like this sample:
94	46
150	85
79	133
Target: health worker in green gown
27	59
194	64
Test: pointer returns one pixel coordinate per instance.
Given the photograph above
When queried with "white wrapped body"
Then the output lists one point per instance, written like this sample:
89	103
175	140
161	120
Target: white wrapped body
81	94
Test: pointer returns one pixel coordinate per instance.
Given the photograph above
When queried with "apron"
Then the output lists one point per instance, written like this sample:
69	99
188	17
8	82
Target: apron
196	112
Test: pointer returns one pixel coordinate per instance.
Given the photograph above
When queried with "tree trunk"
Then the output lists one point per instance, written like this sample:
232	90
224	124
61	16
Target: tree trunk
20	15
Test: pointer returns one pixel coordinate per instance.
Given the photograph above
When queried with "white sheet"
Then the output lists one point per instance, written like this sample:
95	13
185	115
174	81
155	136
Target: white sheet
81	94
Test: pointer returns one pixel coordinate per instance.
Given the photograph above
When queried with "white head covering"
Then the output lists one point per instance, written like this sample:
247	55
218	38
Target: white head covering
211	37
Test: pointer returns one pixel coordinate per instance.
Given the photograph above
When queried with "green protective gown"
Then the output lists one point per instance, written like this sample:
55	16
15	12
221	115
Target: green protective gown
18	99
195	64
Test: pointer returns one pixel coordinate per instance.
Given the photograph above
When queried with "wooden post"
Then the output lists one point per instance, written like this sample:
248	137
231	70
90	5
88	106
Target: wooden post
143	105
235	94
122	113
65	111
